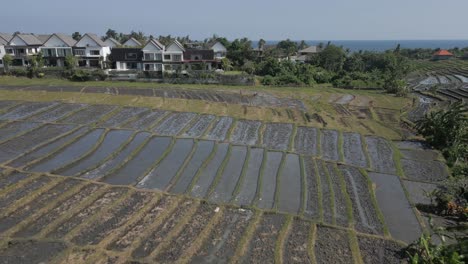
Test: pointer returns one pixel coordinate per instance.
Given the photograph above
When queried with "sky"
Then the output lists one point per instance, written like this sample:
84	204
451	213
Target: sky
255	19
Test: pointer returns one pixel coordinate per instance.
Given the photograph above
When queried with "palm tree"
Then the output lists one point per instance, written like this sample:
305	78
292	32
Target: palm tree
261	44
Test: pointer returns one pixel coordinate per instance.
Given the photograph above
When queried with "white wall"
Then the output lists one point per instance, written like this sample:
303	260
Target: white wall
16	41
2	53
54	41
131	43
218	47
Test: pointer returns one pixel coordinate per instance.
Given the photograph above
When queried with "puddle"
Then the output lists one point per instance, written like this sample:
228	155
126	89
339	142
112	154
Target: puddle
268	188
203	151
160	176
290	191
249	186
398	215
232	171
47	149
118	159
70	153
140	163
112	141
209	172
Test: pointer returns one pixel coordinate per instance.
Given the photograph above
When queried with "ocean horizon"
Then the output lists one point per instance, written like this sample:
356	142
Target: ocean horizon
383	45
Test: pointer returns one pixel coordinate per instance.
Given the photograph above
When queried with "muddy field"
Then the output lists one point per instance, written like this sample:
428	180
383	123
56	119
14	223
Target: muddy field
264	187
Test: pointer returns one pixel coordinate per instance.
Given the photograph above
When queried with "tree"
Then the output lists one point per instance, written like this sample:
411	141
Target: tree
302	45
70	62
110	33
76	36
7	60
226	64
287	46
395	70
331	58
261	44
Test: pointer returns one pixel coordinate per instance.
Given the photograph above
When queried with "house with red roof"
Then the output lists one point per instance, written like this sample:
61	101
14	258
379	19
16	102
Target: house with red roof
442	55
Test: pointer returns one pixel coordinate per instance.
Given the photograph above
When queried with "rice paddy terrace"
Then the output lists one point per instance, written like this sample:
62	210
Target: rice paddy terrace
103	183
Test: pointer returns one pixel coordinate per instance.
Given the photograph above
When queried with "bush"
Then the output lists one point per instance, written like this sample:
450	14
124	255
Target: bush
269	80
19	72
80	76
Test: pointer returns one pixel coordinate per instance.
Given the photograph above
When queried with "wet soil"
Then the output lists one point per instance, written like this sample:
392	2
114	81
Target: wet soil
262	245
26	110
305	141
157	236
116	217
329	145
246	132
181	243
225	237
332	246
89	114
60	210
130	235
311	209
11	130
144	120
11	179
172	125
352	149
341	215
122	116
380	154
296	244
78	218
276	136
364	213
199	127
26	251
56	113
23	191
327	197
377	251
220	129
431	171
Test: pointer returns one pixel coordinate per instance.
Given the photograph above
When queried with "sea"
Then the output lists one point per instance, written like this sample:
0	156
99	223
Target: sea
383	45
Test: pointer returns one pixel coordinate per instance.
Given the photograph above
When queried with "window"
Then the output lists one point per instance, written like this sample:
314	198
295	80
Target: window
1	62
167	57
94	52
149	56
158	67
30	50
61	52
132	65
79	52
9	51
158	57
149	67
177	57
131	56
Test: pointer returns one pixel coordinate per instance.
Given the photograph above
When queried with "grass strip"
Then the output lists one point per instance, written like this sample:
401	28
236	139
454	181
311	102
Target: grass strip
319	190
354	245
184	164
219	172
303	186
244	242
349	204
202	167
281	240
397	156
332	192
311	243
292	138
278	182
340	146
366	151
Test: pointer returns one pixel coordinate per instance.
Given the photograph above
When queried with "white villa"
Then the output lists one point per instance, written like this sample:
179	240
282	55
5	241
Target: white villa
91	51
56	48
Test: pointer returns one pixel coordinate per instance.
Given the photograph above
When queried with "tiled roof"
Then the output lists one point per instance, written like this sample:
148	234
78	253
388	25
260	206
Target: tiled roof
156	43
113	41
133	39
30	39
96	39
311	49
443	53
43	37
66	38
5	37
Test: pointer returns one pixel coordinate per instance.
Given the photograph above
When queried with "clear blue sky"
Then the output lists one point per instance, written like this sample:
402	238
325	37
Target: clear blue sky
268	19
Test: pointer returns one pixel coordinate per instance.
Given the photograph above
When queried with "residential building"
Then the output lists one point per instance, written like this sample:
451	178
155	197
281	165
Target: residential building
4	39
442	55
152	57
112	43
91	51
173	56
56	48
200	59
127	58
220	51
132	42
22	46
306	54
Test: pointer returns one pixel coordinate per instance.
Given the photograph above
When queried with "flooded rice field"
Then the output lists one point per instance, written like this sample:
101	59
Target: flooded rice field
249	188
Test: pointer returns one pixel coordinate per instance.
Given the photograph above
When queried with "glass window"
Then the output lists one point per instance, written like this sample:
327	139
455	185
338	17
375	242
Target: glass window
158	57
79	52
131	56
176	57
94	52
167	57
